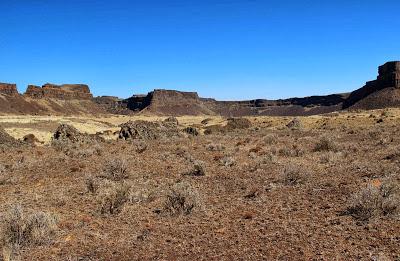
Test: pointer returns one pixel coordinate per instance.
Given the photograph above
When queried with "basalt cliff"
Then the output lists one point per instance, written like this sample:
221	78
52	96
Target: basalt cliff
77	98
65	99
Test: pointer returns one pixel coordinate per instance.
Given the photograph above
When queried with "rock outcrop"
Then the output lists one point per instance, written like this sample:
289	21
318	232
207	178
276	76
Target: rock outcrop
168	102
8	89
62	92
384	89
145	130
76	99
66	99
68	133
171	102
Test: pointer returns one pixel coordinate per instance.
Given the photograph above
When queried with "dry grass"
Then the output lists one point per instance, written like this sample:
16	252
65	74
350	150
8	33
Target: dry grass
116	169
325	144
19	229
375	201
267	194
181	199
198	169
293	175
113	197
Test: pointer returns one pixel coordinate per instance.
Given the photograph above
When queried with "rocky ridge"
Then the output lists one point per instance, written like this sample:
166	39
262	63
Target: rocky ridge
380	93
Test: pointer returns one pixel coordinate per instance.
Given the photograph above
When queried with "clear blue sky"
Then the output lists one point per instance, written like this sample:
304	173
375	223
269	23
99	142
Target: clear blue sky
227	49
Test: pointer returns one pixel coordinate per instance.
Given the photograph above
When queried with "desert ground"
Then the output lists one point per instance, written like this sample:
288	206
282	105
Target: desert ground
323	187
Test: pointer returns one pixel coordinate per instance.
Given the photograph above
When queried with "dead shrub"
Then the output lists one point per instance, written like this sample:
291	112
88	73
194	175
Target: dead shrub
227	161
294	151
139	145
171	120
116	169
238	123
214	129
330	157
374	201
181	199
113	197
271	139
198	169
77	150
293	175
295	124
215	147
21	229
325	144
92	184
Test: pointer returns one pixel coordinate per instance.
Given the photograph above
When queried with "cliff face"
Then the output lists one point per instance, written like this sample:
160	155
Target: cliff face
170	102
388	77
8	89
66	99
62	92
74	98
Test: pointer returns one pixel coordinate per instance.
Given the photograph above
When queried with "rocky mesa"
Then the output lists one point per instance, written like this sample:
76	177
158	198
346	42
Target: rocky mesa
8	89
77	98
65	99
380	93
63	92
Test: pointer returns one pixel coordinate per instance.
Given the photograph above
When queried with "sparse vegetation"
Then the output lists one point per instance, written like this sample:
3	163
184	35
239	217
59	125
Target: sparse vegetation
180	191
181	199
325	144
113	197
92	185
227	161
116	169
374	201
293	175
271	139
215	147
20	229
198	169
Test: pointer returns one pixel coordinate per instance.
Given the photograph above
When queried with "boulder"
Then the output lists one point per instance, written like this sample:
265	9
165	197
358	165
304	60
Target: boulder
30	138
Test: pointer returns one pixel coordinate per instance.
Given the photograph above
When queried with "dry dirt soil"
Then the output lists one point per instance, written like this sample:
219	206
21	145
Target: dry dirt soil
325	189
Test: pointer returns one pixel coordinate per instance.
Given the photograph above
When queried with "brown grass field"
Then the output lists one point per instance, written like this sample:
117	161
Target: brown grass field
326	189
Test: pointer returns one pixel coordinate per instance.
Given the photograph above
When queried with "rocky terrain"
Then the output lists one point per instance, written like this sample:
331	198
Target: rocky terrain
143	185
320	187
